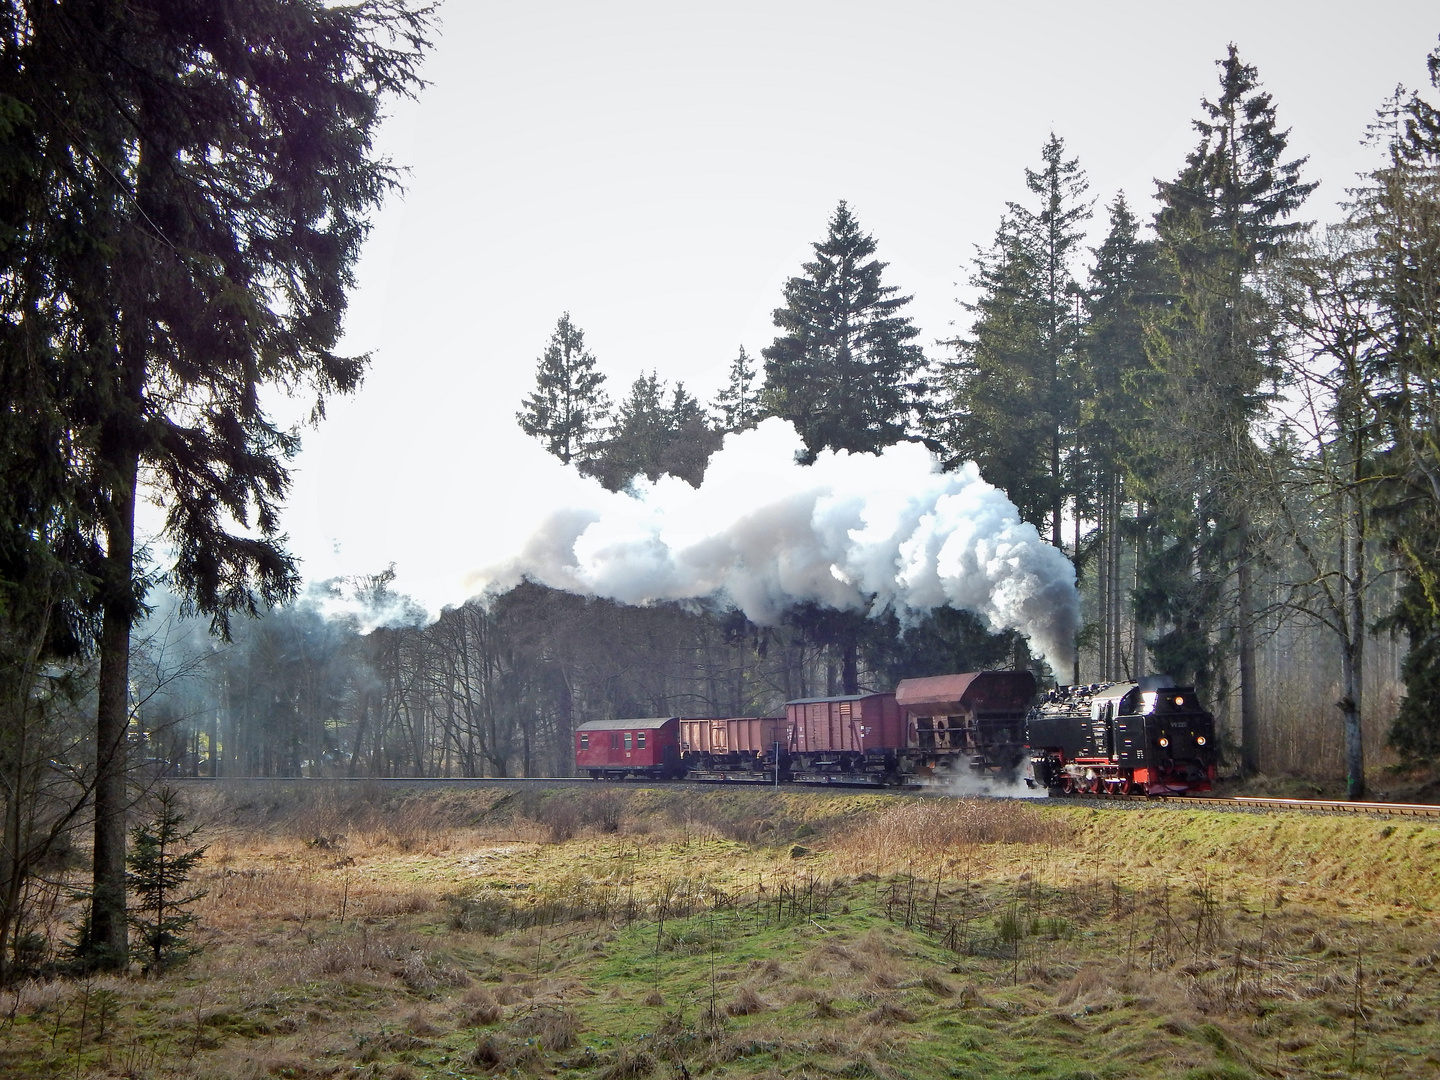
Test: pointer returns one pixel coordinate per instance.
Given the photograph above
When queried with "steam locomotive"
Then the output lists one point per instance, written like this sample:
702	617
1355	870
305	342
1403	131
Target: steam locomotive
1146	737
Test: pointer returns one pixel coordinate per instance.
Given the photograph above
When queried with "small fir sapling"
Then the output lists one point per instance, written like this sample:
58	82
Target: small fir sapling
161	865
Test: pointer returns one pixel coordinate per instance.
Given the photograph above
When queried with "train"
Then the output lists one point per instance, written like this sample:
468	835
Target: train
1144	737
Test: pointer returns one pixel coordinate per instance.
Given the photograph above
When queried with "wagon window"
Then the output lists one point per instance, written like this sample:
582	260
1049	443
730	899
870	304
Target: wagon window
627	740
614	740
585	740
639	740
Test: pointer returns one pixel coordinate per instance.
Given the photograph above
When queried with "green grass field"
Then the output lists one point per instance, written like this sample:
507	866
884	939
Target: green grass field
615	932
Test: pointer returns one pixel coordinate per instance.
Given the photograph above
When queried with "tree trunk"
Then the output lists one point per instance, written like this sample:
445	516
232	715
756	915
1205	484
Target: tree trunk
1137	640
1249	706
1075	667
109	931
1352	642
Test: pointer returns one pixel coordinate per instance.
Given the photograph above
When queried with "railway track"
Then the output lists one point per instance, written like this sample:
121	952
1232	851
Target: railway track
1324	806
1255	802
1239	802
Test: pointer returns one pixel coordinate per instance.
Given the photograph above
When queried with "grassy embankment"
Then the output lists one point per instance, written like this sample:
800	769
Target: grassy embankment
632	932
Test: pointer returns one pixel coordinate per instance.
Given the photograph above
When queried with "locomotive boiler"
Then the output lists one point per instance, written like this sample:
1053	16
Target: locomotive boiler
1148	737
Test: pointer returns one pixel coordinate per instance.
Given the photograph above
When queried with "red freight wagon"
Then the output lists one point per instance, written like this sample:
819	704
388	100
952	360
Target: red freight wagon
845	740
975	719
615	749
735	748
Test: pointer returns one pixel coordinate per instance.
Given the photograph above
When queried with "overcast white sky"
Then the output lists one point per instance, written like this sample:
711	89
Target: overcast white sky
659	170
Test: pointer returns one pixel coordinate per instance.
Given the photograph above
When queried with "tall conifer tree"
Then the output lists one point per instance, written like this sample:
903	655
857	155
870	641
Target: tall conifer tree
216	166
986	392
1398	208
737	405
844	370
1112	356
568	407
1008	397
651	436
1226	214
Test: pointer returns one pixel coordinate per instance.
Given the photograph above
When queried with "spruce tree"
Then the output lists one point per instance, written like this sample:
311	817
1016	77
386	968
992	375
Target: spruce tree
1055	232
568	408
692	439
186	228
737	406
987	392
844	370
1221	220
1008	398
651	436
161	867
1397	208
1112	358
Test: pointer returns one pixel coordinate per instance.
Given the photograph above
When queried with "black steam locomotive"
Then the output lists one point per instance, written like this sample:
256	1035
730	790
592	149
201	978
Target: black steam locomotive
1148	737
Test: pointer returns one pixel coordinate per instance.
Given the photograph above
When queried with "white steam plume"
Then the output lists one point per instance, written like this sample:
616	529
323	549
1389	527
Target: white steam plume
765	533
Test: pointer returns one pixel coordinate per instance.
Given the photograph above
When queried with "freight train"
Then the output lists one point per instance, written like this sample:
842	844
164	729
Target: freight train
1146	737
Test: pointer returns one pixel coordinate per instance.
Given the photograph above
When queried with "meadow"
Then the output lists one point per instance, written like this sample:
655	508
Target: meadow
622	932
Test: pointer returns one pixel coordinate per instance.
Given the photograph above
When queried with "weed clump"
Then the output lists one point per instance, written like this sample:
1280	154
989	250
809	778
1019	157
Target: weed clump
551	1029
629	1065
746	1003
484	1010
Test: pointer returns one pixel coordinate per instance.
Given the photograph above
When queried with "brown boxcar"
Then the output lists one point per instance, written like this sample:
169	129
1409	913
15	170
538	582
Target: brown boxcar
846	740
975	719
734	748
616	749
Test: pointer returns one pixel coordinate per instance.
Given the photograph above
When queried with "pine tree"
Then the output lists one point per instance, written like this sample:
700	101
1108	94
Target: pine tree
1008	399
1055	233
691	440
1398	209
737	406
651	437
568	408
1221	220
985	408
187	228
161	867
844	370
1112	357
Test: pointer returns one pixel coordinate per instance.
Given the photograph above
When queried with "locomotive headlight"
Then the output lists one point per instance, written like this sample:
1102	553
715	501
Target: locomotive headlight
1164	741
1179	701
1199	740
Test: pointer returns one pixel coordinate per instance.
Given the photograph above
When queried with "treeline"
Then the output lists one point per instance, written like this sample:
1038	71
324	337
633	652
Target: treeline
1225	413
496	689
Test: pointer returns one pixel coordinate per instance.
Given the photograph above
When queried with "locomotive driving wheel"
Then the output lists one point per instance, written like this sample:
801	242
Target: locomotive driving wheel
1067	785
1122	787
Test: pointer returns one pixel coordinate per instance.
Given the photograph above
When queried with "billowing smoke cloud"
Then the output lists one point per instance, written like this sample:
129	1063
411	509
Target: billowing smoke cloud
765	533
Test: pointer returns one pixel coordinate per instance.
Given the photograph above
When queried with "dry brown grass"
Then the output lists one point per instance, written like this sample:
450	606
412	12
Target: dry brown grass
1057	941
934	828
746	1002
